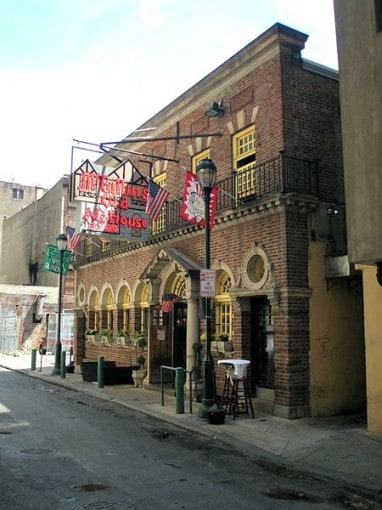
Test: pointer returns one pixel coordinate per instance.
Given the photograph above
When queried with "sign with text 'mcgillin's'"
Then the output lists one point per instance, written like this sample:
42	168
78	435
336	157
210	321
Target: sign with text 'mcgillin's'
110	206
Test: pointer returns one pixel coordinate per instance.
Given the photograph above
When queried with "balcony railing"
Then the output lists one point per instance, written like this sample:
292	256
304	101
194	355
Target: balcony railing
282	174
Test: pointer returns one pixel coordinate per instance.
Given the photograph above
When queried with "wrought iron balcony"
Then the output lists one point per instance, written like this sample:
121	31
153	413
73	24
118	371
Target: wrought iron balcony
280	175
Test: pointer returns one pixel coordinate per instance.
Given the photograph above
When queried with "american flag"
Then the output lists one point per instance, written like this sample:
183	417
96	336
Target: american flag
73	239
157	196
168	301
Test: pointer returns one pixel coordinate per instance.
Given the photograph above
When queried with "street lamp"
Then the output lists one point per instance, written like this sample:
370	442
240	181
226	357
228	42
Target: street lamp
206	171
61	242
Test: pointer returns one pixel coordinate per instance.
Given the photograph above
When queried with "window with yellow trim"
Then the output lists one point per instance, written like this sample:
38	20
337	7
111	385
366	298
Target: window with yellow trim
198	157
105	244
144	306
126	319
96	319
159	225
124	308
244	161
223	307
110	319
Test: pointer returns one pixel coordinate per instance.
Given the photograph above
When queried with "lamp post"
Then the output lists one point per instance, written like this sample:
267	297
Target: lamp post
61	242
206	171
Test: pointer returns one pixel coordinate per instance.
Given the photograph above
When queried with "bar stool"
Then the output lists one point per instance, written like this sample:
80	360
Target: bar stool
227	390
240	397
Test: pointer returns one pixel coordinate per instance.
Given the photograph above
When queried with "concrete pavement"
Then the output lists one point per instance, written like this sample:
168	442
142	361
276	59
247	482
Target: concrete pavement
338	447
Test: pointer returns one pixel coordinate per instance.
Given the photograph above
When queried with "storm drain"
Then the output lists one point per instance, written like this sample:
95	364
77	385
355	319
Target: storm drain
92	487
104	505
291	496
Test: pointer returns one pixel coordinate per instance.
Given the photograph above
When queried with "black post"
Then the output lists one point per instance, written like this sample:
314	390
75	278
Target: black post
61	246
208	363
57	357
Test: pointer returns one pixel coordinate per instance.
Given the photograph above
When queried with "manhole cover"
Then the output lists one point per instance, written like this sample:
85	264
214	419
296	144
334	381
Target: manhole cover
36	451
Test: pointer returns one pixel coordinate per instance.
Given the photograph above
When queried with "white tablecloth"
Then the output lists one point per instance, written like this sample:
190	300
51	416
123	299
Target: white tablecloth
239	367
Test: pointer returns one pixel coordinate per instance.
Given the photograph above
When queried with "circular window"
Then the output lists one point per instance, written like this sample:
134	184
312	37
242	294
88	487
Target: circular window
256	268
81	296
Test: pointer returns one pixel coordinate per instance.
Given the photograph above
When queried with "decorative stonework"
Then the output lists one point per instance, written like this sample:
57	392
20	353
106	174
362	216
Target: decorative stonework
255	269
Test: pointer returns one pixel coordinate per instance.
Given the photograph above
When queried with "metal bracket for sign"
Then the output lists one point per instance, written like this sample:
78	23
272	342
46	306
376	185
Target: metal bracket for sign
109	148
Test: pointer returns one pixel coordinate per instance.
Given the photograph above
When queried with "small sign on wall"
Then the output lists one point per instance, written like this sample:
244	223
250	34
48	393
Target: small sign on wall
207	282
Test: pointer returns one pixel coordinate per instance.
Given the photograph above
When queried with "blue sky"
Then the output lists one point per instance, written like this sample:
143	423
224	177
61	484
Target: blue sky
95	70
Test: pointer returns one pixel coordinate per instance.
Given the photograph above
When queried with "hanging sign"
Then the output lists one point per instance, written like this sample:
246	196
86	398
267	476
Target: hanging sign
111	222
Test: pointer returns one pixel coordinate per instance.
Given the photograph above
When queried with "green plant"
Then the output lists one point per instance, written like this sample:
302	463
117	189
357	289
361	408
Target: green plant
139	339
142	342
223	337
106	332
91	331
141	361
123	332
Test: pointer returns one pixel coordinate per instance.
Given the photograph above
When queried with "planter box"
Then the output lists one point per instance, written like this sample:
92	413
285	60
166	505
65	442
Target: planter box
111	373
89	369
223	347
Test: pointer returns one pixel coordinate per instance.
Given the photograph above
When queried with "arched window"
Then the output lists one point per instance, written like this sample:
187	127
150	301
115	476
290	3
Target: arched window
180	288
94	310
223	307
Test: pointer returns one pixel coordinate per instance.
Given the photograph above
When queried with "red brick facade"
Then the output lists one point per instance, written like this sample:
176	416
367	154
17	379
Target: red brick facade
295	109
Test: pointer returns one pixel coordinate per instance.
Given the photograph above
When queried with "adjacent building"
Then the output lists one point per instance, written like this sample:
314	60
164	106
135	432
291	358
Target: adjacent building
286	297
28	294
359	42
13	198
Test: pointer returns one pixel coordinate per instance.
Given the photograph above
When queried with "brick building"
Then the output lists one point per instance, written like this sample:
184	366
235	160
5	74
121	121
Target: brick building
270	122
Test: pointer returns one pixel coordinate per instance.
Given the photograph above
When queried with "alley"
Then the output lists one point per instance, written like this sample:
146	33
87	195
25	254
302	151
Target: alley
61	449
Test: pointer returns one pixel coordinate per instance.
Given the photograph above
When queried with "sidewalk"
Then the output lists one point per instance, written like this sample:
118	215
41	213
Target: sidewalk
338	447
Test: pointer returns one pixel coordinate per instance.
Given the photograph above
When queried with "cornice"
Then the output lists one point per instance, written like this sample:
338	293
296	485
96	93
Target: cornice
274	204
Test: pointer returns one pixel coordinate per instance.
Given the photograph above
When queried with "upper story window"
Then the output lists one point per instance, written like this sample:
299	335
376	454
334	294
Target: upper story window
18	193
244	149
159	225
244	162
196	159
105	244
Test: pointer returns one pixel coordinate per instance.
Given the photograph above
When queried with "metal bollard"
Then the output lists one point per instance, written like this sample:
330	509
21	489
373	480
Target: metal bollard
179	390
33	360
63	365
100	371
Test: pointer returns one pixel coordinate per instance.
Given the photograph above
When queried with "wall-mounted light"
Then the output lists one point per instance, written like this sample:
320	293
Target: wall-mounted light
331	210
214	109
